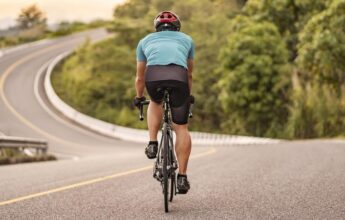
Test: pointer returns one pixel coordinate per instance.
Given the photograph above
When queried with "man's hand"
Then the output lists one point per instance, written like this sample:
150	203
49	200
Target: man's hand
138	100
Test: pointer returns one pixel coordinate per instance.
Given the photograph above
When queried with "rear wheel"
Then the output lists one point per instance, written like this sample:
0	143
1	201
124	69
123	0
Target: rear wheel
165	171
172	186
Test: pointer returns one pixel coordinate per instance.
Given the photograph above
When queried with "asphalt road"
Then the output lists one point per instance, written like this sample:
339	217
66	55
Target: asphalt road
103	178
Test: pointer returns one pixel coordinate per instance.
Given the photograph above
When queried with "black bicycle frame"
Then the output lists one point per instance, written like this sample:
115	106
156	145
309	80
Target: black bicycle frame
167	130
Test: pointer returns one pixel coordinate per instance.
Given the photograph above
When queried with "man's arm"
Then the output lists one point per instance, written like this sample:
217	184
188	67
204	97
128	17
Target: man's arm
140	79
190	63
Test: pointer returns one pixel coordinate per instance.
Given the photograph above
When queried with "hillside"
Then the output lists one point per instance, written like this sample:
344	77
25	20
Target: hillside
262	68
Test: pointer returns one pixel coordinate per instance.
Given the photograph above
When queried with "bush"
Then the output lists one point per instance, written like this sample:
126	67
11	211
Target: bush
316	112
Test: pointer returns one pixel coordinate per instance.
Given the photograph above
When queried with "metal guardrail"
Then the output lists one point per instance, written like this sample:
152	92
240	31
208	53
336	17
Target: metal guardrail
20	143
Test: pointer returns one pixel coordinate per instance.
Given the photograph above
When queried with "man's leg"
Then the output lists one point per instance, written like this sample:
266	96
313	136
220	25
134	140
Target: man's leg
154	117
183	146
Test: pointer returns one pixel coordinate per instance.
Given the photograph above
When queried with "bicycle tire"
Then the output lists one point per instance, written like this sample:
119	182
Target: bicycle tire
172	187
165	171
172	175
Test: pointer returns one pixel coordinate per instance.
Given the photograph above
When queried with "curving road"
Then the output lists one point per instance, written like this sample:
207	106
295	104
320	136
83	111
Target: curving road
102	178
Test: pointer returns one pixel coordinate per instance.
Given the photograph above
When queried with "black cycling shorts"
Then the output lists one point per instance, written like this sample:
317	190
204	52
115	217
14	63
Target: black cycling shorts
174	77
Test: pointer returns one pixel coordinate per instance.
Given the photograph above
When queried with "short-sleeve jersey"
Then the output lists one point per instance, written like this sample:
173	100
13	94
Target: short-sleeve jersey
166	47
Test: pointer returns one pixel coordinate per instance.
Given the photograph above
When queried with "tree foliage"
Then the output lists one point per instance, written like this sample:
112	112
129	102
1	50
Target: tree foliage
322	46
289	16
319	99
255	78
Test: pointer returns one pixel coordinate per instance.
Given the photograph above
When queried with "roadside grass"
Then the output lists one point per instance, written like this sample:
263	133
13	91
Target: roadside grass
97	81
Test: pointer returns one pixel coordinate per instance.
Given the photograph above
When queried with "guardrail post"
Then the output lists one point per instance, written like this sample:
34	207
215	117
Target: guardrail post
4	152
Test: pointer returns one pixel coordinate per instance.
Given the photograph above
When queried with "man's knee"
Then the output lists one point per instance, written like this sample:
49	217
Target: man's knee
155	109
180	128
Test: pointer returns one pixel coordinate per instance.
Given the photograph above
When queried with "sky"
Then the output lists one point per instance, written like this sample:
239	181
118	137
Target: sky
59	10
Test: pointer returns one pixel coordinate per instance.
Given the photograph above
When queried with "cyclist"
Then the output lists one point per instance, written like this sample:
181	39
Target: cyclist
165	59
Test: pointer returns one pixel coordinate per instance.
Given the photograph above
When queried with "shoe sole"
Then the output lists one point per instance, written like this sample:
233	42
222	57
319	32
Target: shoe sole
182	191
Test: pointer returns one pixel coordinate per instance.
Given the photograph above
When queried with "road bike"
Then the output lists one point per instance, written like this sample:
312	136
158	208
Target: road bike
165	166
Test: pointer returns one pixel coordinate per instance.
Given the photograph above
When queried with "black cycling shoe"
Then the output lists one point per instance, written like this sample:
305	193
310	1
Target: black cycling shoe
182	184
151	149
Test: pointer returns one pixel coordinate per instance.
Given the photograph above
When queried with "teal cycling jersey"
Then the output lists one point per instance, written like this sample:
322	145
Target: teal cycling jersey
166	47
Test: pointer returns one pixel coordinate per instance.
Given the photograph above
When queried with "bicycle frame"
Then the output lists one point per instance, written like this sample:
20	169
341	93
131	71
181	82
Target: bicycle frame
167	129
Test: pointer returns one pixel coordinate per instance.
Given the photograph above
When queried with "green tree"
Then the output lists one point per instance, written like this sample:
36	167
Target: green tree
322	47
319	102
255	79
289	16
30	17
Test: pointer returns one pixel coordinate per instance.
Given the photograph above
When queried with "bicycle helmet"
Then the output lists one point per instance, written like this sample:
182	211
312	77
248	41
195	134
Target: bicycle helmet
167	20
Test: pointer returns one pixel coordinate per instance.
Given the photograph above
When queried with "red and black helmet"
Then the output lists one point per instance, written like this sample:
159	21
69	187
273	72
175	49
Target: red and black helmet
169	18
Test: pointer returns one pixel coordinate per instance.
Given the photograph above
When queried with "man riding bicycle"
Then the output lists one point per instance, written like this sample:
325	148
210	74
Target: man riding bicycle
165	59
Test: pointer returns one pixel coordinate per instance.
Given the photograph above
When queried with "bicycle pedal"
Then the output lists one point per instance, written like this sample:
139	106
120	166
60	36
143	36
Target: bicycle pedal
157	175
